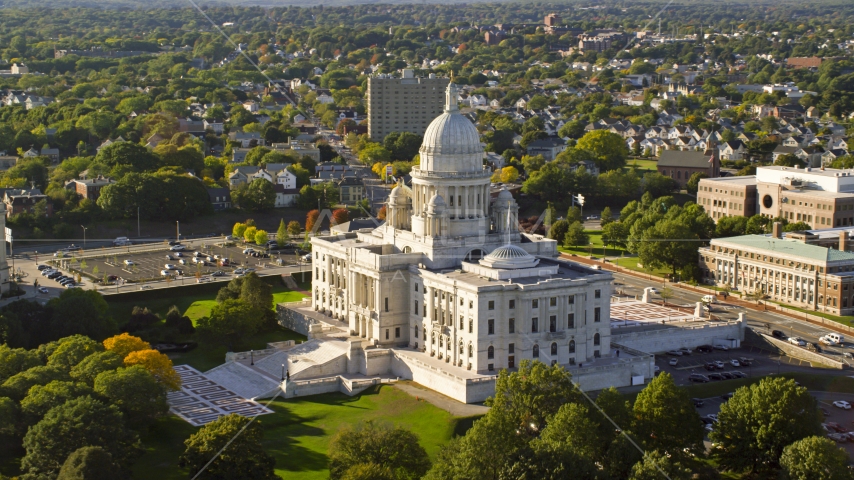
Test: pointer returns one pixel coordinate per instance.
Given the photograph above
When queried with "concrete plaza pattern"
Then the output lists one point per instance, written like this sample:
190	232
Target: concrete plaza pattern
201	400
635	312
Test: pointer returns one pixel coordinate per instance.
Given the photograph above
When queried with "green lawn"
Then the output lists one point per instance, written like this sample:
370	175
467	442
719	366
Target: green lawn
596	241
651	165
298	434
205	356
632	264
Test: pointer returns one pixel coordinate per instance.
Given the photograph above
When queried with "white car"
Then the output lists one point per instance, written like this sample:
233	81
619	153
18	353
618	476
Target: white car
709	299
177	248
169	266
797	341
734	363
306	258
129	262
842	404
673	362
42	289
247	251
713	417
167	273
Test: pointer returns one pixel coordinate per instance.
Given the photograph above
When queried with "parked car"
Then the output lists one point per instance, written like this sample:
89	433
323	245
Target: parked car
727	375
711	367
721	347
797	341
713	417
675	353
183	261
239	271
43	290
778	334
842	404
719	364
169	266
306	258
179	254
166	273
715	376
744	361
685	351
737	374
218	273
177	248
709	299
673	362
593	217
698	377
705	348
43	267
698	402
129	262
734	363
726	396
247	251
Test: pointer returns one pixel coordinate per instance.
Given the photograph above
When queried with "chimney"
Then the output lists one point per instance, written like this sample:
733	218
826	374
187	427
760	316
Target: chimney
776	230
843	241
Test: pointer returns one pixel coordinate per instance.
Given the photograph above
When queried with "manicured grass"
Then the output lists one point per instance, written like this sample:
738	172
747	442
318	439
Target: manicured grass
286	296
596	241
199	309
298	434
650	165
632	264
205	356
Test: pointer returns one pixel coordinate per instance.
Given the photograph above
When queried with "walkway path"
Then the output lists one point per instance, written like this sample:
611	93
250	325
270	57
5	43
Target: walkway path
448	404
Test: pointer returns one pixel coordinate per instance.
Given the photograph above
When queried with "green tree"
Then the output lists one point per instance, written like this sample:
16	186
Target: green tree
796	227
665	418
815	458
573	215
42	398
255	196
16	360
731	226
694	182
558	230
243	459
654	463
229	323
668	243
394	448
136	392
757	224
575	236
77	423
94	364
760	420
72	350
607	216
658	185
614	234
573	129
238	230
89	463
249	234
294	228
261	237
788	160
8	416
609	149
17	386
282	234
84	312
402	145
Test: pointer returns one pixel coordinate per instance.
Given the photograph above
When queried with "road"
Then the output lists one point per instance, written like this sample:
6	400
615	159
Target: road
756	319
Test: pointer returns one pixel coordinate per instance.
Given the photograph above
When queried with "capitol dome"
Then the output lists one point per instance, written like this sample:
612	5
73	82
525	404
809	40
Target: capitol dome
451	141
509	257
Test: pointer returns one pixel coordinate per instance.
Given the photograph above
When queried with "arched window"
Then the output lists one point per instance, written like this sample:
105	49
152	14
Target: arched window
462	348
536	351
679	174
471	351
490	352
572	346
407	250
596	339
554	349
433	338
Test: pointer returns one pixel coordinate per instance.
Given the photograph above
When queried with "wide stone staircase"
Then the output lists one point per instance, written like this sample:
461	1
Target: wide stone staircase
314	358
243	380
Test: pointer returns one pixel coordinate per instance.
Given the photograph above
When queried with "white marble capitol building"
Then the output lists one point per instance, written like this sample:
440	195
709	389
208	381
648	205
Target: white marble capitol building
449	279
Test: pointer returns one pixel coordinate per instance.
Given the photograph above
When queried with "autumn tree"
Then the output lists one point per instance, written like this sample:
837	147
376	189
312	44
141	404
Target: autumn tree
158	365
311	219
124	344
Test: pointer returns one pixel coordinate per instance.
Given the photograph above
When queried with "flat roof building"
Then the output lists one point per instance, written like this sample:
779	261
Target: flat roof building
404	104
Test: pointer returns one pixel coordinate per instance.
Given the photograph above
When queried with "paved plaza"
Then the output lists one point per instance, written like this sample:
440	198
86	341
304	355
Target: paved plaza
633	312
201	400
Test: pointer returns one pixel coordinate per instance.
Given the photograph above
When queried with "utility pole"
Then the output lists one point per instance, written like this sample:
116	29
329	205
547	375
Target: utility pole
177	231
84	236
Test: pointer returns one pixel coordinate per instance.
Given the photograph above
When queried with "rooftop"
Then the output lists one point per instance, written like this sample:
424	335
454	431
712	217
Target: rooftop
736	180
791	248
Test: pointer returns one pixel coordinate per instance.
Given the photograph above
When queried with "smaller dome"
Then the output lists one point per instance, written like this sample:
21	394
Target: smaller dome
399	194
509	257
436	204
505	194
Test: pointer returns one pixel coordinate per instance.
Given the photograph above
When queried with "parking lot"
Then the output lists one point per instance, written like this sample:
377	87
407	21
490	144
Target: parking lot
764	363
200	258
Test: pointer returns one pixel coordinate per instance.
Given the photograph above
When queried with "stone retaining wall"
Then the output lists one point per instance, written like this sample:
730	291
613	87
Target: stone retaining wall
801	353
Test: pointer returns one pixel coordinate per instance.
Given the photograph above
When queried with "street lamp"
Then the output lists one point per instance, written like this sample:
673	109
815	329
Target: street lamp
283	372
252	356
84	236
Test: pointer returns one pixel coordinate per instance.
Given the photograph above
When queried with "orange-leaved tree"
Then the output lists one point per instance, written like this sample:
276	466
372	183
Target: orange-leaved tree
340	216
311	219
124	344
158	364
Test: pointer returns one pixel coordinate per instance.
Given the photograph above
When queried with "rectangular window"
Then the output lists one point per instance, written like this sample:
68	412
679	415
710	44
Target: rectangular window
386	334
416	307
535	303
490	367
553	301
511	325
597	314
471	326
597	294
490	354
491	305
396	332
462	323
424	311
416	287
512	304
386	304
570	320
535	325
511	362
553	323
490	327
511	348
571	300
